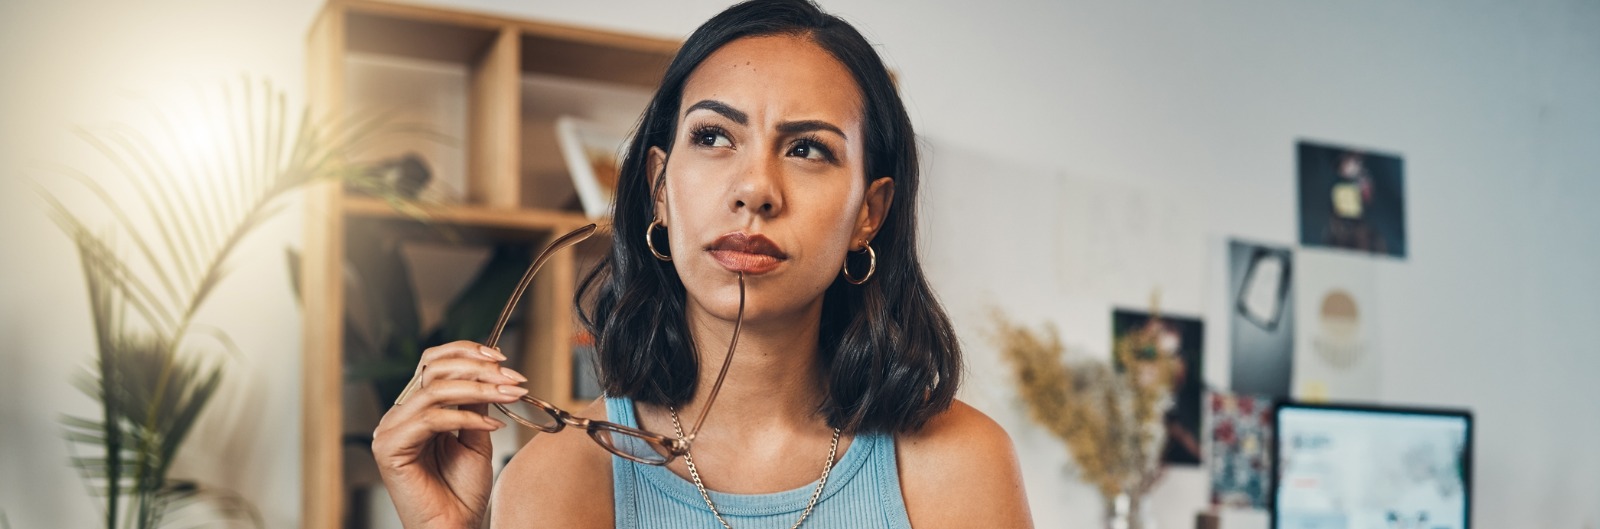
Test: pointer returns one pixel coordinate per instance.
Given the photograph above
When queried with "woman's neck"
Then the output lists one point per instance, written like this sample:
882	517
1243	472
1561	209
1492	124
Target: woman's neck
766	411
773	377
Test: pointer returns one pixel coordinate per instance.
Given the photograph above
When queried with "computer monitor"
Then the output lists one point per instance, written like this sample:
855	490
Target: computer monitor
1338	466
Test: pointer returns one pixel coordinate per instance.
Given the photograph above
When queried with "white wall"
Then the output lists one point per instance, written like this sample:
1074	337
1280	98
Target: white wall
1186	113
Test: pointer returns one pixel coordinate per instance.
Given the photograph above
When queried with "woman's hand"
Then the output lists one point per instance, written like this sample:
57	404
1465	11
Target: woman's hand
433	450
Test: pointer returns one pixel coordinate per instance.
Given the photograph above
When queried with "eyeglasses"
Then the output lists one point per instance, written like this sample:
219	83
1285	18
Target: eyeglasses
629	443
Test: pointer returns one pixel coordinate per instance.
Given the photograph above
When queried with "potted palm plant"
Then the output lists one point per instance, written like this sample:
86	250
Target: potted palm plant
158	261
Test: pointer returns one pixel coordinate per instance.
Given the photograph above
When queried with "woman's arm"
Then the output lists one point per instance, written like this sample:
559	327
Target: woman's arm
961	470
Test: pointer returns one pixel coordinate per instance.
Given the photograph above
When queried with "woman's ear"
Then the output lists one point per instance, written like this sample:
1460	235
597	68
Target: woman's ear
656	165
874	209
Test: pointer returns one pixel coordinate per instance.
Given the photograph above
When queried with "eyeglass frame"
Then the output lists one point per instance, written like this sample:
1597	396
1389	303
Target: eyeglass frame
675	447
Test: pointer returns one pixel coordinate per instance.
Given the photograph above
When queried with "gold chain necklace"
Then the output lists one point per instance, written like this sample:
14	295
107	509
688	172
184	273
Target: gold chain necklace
688	459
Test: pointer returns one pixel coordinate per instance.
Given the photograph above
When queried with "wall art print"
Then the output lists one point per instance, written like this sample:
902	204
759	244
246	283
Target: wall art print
1352	199
1261	318
1181	338
1336	355
1241	444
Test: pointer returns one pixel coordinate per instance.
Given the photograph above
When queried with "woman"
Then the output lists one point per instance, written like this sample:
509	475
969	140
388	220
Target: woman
770	190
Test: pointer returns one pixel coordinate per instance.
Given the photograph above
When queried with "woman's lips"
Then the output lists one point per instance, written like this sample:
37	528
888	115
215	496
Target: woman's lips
748	253
749	263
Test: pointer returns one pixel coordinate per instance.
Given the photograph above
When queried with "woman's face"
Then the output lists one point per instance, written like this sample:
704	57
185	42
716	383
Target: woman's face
766	176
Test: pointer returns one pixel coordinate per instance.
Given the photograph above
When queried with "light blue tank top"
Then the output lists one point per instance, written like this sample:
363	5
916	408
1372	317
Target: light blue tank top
863	491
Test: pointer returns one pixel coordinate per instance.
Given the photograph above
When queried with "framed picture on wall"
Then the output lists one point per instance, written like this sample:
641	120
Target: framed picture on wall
1336	354
1240	454
1261	319
1353	199
1180	338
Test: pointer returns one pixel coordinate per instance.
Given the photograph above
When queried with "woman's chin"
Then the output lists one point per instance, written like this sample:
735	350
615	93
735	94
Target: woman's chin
767	298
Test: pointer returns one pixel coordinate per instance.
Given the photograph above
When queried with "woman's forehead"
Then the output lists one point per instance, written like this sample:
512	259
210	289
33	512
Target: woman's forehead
777	78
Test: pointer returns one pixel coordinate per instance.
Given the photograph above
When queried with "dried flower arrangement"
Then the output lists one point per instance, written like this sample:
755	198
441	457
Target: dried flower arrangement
1108	413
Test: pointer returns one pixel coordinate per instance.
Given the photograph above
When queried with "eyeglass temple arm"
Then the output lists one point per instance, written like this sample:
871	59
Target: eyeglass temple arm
564	241
726	361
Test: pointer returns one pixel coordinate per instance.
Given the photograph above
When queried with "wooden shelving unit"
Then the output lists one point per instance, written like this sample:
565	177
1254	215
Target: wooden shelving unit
498	54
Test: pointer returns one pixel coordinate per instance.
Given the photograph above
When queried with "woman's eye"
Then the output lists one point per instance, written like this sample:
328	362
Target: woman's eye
810	150
711	138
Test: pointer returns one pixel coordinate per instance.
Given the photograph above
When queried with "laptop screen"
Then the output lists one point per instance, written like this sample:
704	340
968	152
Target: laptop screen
1364	467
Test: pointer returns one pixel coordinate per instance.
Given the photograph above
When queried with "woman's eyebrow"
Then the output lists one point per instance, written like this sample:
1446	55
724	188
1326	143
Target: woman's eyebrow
787	127
721	108
810	125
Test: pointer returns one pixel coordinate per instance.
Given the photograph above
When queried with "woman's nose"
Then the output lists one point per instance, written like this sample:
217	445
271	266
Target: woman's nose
757	190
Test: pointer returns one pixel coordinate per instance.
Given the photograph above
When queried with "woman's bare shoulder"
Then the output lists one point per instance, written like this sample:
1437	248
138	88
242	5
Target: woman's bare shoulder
556	480
961	466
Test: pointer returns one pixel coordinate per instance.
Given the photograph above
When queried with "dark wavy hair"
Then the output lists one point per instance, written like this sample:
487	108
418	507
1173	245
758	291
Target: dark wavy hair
888	353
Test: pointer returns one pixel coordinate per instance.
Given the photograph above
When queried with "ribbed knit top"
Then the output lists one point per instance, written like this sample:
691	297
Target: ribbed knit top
863	491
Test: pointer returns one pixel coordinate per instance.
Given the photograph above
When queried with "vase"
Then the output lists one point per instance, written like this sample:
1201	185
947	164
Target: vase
1127	511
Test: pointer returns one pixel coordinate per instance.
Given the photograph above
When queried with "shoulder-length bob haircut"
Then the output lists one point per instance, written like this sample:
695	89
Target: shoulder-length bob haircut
889	357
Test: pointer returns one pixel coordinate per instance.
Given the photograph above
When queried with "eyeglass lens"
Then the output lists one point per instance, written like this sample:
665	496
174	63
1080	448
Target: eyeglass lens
629	446
532	415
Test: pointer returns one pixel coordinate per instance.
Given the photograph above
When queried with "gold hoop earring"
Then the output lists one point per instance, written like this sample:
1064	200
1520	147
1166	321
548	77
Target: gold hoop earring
649	240
872	266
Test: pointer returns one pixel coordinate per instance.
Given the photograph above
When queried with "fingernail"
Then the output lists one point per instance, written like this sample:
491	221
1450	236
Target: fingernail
513	375
513	390
491	353
493	422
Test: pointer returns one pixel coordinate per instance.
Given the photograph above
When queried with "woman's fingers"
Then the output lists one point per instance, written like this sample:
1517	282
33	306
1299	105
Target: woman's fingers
443	393
428	409
402	440
464	393
471	369
465	360
477	440
461	349
460	374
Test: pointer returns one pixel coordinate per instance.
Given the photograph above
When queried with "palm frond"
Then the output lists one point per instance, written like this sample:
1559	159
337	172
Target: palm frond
194	209
221	337
109	270
109	324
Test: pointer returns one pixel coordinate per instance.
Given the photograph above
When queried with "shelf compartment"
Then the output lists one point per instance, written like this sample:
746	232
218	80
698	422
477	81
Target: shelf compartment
388	31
